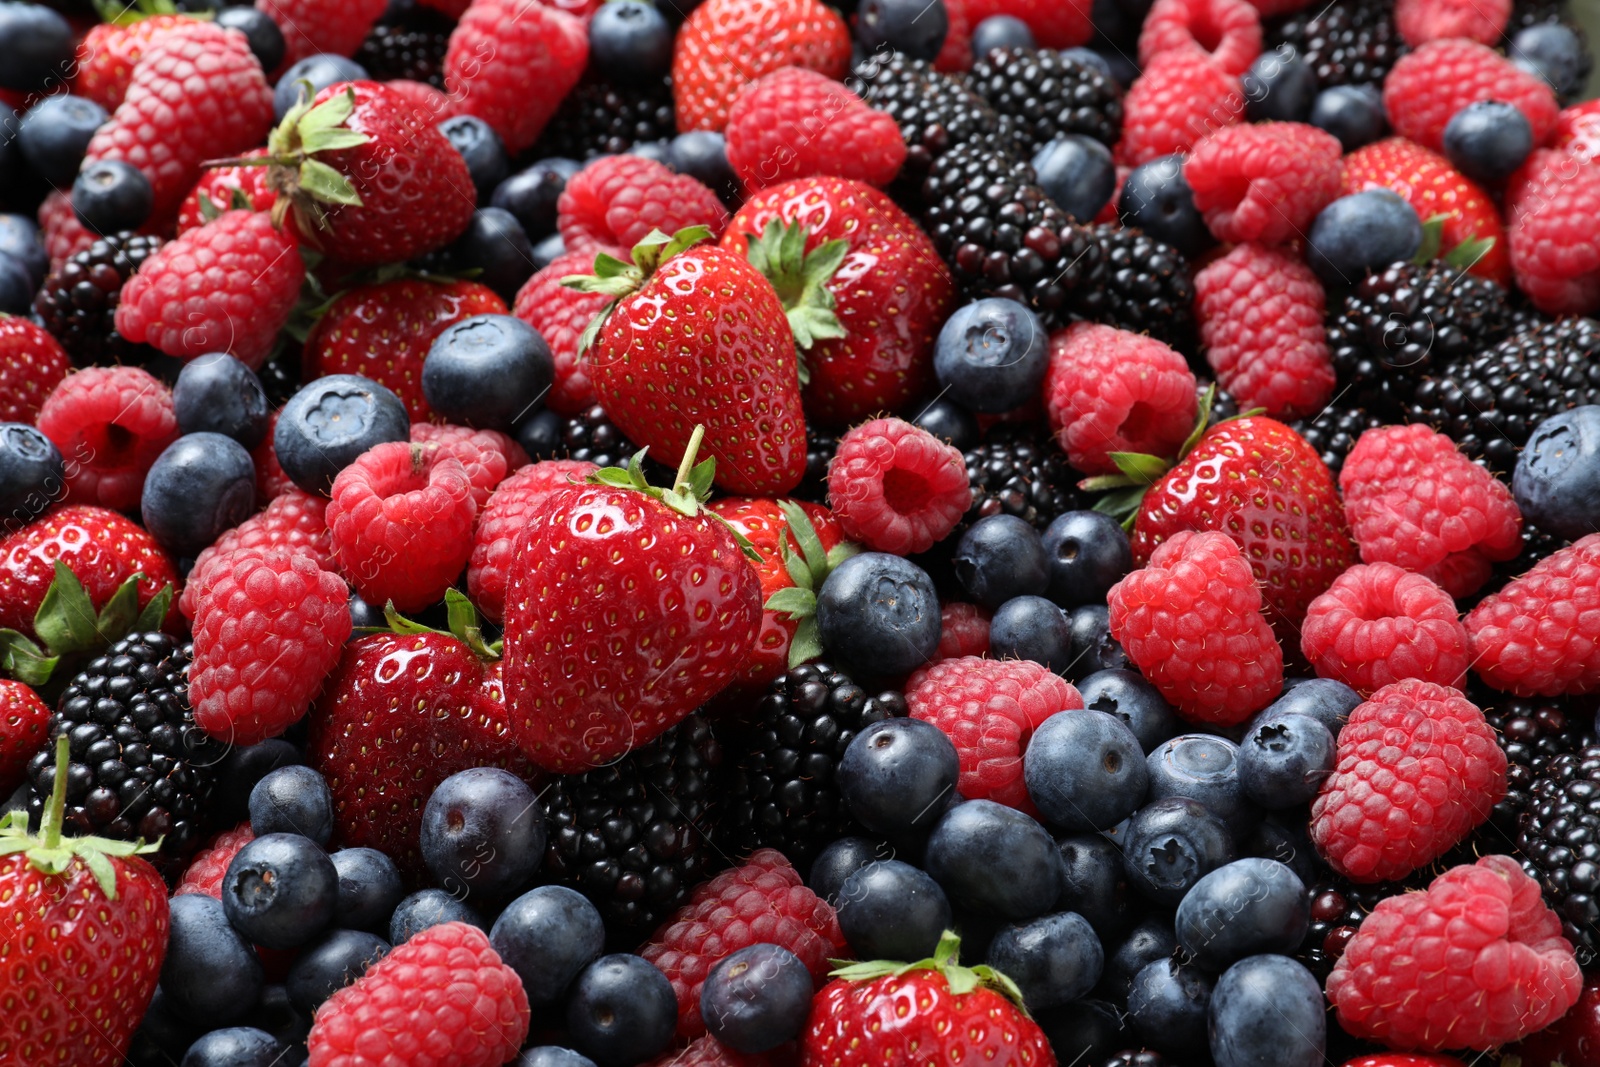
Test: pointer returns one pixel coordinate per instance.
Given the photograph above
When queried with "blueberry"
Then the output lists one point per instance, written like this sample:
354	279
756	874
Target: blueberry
200	485
481	148
1352	113
890	910
266	39
1053	960
548	935
163	1035
321	70
281	890
216	393
879	615
995	860
1240	909
276	1014
487	371
1557	477
552	1056
1284	761
1279	86
1553	53
844	857
703	156
1202	767
428	908
1000	557
1167	1005
1094	885
1084	770
757	998
1077	173
630	42
548	251
1032	628
1091	647
950	421
1152	939
1267	1011
991	355
241	769
916	28
55	134
1359	232
1131	698
16	286
1487	140
292	800
20	239
531	195
32	475
331	421
330	963
1000	31
1088	553
1282	836
493	249
235	1046
483	831
1088	56
1171	844
36	48
897	775
211	976
1157	199
369	888
622	1011
1328	701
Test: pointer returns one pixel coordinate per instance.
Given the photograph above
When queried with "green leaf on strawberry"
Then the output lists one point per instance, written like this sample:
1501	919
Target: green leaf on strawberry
616	279
808	569
68	626
961	980
461	617
1462	257
801	281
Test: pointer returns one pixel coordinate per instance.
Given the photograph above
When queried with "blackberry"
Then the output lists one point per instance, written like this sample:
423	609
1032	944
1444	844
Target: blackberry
1559	838
1532	733
1490	400
1347	42
1147	288
1022	476
634	836
78	303
594	437
820	449
1333	431
1337	908
1002	236
1042	94
598	119
140	767
781	791
280	374
935	113
408	42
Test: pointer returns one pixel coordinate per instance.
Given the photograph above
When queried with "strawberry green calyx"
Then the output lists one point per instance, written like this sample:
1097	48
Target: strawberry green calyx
801	281
67	625
126	14
461	617
961	980
617	279
1463	257
50	852
808	569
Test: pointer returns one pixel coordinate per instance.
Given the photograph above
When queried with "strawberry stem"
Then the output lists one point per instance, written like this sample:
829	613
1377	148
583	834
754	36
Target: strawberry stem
681	481
55	811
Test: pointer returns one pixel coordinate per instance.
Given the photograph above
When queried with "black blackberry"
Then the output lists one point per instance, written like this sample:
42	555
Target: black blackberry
1043	94
1559	837
934	113
1490	400
820	449
78	303
634	836
1337	908
408	42
781	790
1347	42
1022	476
1002	236
1334	429
594	437
1147	288
1532	733
599	119
280	374
140	767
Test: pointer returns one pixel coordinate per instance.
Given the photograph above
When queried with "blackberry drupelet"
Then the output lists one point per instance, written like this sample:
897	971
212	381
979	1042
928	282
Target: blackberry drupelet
599	119
1148	288
1337	908
1022	475
1348	42
634	836
1333	431
820	449
78	303
1533	733
1559	838
1043	94
409	42
594	437
781	791
140	767
935	113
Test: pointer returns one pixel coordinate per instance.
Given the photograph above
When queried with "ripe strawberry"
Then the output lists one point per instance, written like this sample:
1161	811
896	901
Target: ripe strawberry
674	608
32	364
241	186
736	376
889	292
510	62
383	331
23	721
108	52
506	511
312	26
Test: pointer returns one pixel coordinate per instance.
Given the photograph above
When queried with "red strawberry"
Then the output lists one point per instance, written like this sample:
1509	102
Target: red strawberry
312	26
32	364
673	608
736	375
511	61
108	52
241	186
23	719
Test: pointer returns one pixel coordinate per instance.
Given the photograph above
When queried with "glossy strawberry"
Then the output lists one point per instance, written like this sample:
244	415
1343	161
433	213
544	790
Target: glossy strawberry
223	188
23	719
108	52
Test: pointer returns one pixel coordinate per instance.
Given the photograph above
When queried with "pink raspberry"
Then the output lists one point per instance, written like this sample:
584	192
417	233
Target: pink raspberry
1180	97
1428	86
1421	21
1551	204
1191	622
110	424
295	520
1540	635
895	487
1227	31
488	455
963	630
271	482
1417	769
1264	181
1107	390
796	123
989	709
1379	624
503	517
561	315
204	873
613	203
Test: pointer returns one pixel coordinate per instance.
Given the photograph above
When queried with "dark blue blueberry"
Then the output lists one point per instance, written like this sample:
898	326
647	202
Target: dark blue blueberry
914	27
1267	1010
1487	140
1557	477
218	394
1202	767
1172	843
950	421
293	800
1240	909
235	1046
32	475
1131	698
1328	701
622	1011
369	889
1554	53
879	615
995	860
427	908
897	775
481	147
1053	960
281	890
703	156
1088	554
111	196
1152	939
20	239
241	769
200	485
487	371
890	910
1279	86
548	935
531	195
1094	885
844	857
16	286
1157	199
999	558
1091	647
1283	836
630	42
1284	761
211	976
1085	1031
548	251
552	1056
331	421
1077	173
1000	31
321	70
266	39
1033	628
1089	57
330	963
36	48
991	355
1352	113
757	998
1084	770
483	831
1167	1005
1359	232
55	133
494	250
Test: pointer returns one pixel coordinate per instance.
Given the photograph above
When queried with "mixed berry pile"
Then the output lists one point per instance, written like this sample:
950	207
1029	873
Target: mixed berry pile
784	533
